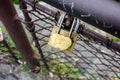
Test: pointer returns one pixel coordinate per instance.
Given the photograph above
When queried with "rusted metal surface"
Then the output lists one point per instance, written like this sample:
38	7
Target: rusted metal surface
89	57
14	27
102	39
31	28
41	7
103	14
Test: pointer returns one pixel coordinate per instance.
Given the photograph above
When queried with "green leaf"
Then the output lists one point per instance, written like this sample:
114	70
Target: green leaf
16	1
37	0
79	74
41	62
116	39
11	43
4	49
3	28
26	68
44	71
18	56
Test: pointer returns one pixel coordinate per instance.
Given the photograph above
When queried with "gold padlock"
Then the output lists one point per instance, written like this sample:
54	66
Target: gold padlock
63	39
58	40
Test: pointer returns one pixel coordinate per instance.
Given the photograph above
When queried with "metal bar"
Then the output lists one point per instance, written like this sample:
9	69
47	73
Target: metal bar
31	27
103	14
14	27
94	35
114	45
42	8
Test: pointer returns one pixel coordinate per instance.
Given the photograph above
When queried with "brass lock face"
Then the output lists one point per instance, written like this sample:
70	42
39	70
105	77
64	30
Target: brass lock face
63	39
58	40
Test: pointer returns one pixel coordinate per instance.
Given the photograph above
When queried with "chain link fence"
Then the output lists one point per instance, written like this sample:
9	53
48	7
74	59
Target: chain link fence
90	59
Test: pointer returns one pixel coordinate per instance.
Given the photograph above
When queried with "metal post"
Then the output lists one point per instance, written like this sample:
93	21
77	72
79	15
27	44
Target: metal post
103	14
14	27
41	7
31	27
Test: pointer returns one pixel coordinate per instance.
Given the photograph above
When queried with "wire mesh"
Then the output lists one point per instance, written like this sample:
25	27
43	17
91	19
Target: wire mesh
89	61
4	57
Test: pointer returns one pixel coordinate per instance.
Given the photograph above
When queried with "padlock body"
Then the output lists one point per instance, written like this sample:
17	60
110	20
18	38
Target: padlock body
59	40
65	43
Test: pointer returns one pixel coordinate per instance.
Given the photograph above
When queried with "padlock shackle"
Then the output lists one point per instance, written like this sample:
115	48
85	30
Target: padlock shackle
72	27
78	23
60	21
75	24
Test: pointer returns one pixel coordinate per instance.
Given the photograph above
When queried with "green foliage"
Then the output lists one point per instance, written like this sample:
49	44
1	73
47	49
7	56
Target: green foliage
116	39
37	0
65	69
16	1
41	62
3	28
11	43
26	68
3	48
8	38
18	56
43	71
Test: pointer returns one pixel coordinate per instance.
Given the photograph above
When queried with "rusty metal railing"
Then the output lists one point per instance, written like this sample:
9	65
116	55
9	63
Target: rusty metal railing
94	57
102	14
16	31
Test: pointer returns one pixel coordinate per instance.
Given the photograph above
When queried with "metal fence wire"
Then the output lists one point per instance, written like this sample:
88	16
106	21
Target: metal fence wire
90	59
5	48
